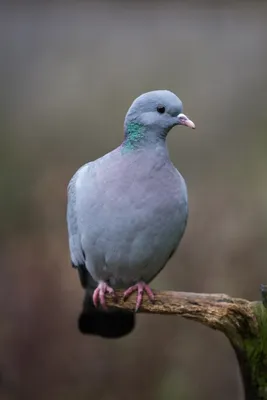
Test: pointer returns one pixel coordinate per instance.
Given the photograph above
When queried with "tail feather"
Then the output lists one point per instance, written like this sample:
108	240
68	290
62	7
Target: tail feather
108	324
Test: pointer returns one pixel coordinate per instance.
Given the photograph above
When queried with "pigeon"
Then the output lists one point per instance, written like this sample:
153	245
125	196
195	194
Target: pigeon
126	214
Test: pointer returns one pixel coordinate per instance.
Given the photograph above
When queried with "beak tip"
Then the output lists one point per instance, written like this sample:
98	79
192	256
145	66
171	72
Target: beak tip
190	124
184	120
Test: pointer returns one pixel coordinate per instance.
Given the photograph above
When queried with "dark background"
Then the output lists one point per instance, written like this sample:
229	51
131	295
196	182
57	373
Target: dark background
68	73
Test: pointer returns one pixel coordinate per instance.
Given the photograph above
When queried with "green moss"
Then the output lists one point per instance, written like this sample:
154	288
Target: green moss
255	348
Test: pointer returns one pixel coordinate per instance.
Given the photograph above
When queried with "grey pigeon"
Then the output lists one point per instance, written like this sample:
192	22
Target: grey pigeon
126	213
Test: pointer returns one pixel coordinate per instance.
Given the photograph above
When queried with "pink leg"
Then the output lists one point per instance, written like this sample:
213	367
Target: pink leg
140	287
99	294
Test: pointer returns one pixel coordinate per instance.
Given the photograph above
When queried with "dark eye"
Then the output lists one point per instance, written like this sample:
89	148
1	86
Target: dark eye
161	109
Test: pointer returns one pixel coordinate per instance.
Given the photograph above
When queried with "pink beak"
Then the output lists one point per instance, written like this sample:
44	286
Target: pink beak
183	120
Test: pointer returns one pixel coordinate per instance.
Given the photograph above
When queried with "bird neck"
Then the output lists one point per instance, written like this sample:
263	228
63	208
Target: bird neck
137	136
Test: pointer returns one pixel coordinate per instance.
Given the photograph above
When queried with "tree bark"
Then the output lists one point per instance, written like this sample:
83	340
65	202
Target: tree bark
243	322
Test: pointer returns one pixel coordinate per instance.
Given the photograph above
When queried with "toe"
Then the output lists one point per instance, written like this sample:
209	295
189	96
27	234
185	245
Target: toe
150	293
96	297
102	299
138	301
129	291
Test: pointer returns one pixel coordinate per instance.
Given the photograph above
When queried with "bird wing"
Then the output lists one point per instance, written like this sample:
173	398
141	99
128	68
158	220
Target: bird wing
112	324
77	254
75	245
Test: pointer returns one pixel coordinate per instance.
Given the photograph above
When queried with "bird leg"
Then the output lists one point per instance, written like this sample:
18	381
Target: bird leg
99	294
140	287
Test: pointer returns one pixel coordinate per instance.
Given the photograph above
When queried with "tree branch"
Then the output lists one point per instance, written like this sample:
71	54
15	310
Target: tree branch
243	322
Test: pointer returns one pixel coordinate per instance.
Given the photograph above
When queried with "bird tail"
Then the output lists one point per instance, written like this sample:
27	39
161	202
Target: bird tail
108	324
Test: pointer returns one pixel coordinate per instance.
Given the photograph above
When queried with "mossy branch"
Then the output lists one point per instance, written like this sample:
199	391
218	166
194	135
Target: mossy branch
243	322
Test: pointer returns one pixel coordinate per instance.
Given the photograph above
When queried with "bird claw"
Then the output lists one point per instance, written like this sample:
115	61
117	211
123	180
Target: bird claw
100	292
140	287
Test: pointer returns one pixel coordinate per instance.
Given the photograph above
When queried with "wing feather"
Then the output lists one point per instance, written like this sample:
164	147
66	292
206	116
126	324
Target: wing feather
75	245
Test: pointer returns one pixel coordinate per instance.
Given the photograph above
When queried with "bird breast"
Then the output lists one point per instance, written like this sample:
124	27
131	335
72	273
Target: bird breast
131	220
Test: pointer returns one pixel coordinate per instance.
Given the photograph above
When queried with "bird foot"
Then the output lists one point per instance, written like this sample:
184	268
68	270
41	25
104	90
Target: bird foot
100	292
140	287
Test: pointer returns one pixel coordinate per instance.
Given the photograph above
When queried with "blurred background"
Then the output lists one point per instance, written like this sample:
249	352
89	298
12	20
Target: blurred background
68	74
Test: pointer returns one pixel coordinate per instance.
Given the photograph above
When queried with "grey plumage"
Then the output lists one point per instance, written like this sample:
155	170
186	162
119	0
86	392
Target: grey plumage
127	211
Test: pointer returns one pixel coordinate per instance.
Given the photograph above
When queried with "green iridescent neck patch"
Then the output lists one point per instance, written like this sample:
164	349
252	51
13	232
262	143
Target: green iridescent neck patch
134	135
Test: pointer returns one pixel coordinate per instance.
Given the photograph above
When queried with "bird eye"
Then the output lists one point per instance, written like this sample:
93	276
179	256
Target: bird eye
161	109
